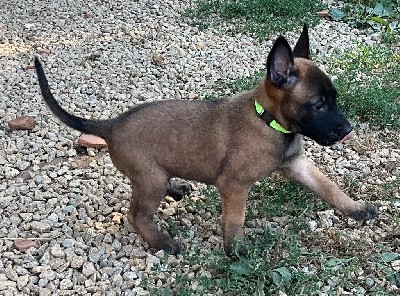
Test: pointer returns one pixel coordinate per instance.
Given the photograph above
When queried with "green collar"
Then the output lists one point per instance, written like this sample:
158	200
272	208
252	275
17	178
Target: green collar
269	119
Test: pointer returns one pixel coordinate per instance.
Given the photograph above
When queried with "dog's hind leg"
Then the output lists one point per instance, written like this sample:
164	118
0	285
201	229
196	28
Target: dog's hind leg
147	192
178	188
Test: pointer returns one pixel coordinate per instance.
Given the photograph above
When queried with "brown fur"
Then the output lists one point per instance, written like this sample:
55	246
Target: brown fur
222	142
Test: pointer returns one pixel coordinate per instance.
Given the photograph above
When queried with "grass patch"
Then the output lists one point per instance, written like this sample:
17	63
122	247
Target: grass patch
93	57
260	17
381	15
368	83
286	256
276	199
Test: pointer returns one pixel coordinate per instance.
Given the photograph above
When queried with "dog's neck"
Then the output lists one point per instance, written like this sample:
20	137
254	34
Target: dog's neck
269	119
271	103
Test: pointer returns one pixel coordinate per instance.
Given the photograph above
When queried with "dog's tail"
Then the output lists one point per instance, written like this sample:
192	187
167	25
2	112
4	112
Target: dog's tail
101	128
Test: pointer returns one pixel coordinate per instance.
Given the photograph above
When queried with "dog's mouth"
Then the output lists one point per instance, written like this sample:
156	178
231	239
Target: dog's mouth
346	137
333	139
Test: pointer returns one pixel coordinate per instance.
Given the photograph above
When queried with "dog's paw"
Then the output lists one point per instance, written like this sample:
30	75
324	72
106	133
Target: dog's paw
367	212
172	247
177	189
236	248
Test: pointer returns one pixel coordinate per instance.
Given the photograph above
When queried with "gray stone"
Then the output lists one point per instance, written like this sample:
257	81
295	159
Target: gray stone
56	251
52	136
8	285
56	263
130	276
53	217
27	217
42	283
44	292
115	270
128	292
117	280
369	282
103	263
95	254
11	274
88	269
62	267
22	165
116	245
152	260
29	261
20	270
40	226
68	243
15	220
48	274
312	225
22	281
69	208
10	172
67	230
45	259
76	261
66	284
107	238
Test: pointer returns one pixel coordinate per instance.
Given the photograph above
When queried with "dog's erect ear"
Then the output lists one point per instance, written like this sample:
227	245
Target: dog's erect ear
302	48
280	63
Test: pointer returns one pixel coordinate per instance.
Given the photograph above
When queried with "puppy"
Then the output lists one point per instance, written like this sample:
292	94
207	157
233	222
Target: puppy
230	143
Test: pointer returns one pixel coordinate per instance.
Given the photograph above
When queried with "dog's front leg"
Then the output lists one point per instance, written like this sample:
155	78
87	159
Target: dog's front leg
233	199
301	170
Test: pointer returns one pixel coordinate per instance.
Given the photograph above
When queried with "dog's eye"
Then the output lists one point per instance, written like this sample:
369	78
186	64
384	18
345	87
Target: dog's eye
320	105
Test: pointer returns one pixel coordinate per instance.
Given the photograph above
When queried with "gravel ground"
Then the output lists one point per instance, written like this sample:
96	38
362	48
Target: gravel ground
102	58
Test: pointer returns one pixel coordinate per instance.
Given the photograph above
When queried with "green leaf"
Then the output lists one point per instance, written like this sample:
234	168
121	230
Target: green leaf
389	257
281	277
240	268
336	14
379	20
336	261
393	25
374	25
378	9
260	290
394	278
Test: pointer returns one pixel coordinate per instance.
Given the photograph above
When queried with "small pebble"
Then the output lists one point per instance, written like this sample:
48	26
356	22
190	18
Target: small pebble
91	141
24	244
22	123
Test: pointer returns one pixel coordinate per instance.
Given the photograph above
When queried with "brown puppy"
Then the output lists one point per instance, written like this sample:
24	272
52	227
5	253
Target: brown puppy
230	143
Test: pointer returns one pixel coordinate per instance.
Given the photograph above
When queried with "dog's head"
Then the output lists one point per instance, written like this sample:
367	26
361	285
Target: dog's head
306	95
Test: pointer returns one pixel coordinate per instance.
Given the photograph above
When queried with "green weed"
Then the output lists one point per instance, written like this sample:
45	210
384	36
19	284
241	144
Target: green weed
211	200
381	15
368	84
94	57
275	199
285	257
260	17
